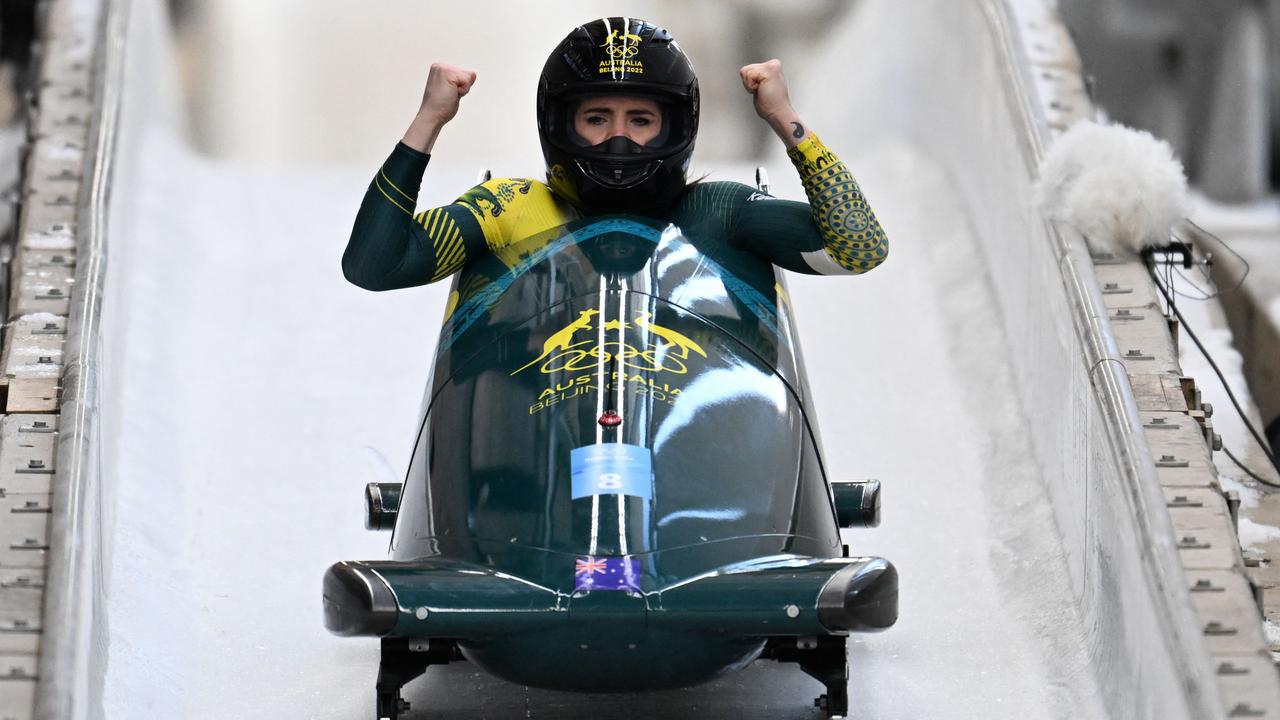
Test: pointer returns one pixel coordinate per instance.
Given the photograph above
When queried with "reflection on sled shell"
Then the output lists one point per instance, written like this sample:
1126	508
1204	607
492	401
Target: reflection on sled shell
616	483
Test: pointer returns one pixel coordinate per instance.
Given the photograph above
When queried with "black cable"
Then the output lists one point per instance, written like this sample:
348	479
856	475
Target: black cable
1208	279
1204	294
1247	267
1225	385
1247	471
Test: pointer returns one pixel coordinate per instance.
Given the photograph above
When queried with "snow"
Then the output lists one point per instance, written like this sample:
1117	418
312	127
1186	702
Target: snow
40	317
61	153
1273	632
55	238
1249	495
1253	535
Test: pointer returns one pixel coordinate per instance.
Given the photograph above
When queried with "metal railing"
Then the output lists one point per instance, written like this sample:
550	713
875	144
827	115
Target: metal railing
72	656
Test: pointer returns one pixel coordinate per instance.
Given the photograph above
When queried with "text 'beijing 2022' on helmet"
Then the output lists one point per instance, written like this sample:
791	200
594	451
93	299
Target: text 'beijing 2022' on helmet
628	57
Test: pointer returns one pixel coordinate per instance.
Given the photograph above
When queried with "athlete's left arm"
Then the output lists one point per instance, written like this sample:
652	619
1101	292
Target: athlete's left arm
836	233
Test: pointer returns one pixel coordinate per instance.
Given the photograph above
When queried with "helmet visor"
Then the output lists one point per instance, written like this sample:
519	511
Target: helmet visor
601	125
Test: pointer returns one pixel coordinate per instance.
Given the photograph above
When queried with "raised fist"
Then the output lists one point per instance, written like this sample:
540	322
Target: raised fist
446	85
765	81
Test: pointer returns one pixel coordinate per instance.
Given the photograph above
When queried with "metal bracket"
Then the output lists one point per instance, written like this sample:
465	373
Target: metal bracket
1169	461
1190	542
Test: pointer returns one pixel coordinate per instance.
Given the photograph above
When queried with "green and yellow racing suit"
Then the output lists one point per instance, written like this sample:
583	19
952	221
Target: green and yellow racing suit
394	246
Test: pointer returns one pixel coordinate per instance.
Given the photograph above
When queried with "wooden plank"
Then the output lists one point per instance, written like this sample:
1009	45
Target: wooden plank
1158	392
33	395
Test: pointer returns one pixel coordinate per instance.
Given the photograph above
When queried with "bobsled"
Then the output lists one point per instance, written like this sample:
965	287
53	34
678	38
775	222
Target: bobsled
617	484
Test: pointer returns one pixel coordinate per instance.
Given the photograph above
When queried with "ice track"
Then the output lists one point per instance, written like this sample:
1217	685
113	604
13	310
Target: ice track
261	392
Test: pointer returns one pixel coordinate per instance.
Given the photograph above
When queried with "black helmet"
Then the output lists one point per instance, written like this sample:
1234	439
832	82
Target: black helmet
618	56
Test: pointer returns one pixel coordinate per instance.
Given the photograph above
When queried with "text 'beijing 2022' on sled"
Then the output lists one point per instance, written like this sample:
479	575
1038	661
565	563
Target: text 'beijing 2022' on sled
617	484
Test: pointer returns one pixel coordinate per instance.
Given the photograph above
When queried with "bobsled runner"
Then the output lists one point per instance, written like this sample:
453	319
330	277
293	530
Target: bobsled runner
617	484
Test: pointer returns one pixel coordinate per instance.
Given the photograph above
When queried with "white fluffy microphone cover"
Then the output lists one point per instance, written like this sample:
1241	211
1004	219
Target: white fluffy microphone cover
1121	188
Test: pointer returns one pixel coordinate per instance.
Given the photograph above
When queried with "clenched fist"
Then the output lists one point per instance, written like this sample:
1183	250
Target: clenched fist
773	103
765	81
446	85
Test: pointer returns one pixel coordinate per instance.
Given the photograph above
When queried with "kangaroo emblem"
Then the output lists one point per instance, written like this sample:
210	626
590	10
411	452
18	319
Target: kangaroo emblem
619	35
562	339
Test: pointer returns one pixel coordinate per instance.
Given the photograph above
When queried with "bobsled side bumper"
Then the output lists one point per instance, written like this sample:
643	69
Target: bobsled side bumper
790	598
357	601
433	599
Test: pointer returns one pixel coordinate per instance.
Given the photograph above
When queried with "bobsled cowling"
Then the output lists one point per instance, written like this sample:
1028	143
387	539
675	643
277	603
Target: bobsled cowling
532	524
779	597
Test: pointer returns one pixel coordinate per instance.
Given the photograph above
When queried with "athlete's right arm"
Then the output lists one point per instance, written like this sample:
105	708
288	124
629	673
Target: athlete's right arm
392	247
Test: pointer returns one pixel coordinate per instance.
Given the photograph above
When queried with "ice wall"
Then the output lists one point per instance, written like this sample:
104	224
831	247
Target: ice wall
966	92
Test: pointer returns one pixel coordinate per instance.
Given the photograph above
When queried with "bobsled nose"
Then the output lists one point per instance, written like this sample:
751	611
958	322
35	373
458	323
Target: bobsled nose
862	597
357	601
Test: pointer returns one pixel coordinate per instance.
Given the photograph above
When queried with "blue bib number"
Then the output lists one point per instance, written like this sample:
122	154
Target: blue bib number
612	469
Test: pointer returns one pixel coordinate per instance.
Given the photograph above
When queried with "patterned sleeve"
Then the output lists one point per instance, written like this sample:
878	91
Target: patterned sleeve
392	246
836	233
852	240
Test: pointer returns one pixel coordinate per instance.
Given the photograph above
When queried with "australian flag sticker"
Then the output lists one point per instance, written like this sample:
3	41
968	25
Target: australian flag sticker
606	573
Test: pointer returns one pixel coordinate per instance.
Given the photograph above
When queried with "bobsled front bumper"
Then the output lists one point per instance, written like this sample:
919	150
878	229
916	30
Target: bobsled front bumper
862	597
768	598
358	601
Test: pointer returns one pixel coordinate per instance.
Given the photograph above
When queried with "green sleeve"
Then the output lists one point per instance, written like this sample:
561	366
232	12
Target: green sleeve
391	246
780	231
835	233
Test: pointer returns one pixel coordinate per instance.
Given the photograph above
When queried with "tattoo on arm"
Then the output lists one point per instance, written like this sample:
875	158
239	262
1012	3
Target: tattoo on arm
798	132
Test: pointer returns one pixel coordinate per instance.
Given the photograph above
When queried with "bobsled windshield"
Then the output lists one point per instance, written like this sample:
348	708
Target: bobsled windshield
611	390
